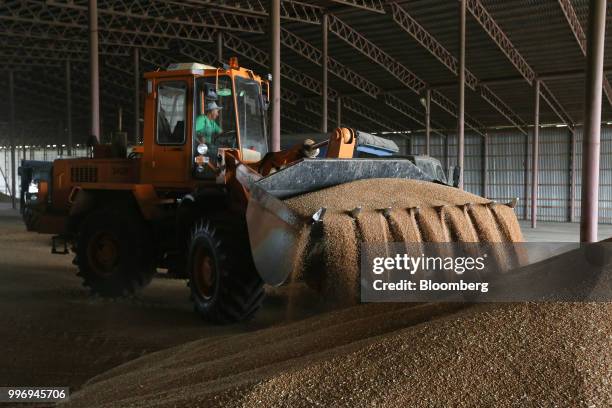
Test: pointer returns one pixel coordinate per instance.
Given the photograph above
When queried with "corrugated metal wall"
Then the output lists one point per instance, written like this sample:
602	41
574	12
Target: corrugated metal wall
508	168
506	174
605	175
31	153
472	176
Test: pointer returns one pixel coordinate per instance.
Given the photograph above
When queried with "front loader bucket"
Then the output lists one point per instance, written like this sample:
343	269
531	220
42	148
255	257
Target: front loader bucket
276	231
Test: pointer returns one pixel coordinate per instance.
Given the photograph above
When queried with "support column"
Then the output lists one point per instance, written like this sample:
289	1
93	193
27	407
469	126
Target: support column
447	156
68	108
94	72
461	104
220	46
275	63
119	119
12	135
535	154
136	96
22	137
324	71
592	121
6	184
526	178
339	111
60	132
572	176
428	122
485	164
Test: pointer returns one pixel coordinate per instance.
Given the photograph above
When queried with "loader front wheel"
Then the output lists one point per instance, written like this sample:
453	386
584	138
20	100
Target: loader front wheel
224	284
113	253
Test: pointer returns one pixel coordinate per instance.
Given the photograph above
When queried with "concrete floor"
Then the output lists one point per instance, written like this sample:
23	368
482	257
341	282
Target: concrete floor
559	231
53	333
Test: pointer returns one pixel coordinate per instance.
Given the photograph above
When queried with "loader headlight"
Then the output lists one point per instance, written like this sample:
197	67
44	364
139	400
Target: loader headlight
33	187
202	149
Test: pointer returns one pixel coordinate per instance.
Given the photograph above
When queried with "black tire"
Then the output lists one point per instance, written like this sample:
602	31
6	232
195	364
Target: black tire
114	252
224	284
29	218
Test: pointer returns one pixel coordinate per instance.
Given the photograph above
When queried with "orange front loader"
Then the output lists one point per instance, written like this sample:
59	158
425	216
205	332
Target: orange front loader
204	206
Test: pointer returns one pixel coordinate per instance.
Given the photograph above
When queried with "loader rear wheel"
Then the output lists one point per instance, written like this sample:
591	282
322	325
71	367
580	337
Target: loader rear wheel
225	286
114	253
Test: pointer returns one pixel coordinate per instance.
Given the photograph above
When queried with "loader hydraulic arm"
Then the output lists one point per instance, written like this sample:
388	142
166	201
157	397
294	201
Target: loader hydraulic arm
341	144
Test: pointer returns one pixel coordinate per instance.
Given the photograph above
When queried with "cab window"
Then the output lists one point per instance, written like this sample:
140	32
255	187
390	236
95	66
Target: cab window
171	112
216	130
251	118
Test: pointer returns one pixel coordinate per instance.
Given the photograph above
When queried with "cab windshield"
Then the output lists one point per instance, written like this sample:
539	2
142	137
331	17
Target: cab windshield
251	116
215	123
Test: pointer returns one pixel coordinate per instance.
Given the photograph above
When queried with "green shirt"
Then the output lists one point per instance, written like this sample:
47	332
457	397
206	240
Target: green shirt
206	127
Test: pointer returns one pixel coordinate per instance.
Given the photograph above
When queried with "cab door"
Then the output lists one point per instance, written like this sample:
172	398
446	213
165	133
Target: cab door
169	161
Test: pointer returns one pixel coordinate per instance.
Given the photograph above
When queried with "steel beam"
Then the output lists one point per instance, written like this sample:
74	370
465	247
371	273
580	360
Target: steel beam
296	117
255	54
74	18
259	56
535	153
391	65
351	105
552	75
376	6
428	41
375	53
33	96
351	77
400	106
461	103
315	55
325	83
24	28
428	122
574	23
490	26
136	125
385	123
68	108
247	50
275	69
592	121
154	14
290	10
555	106
12	135
56	48
29	54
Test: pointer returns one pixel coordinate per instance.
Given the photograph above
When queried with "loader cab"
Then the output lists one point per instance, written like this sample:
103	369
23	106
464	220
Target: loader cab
183	139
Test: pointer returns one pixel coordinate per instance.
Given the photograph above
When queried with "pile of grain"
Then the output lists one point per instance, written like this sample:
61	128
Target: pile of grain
392	210
384	355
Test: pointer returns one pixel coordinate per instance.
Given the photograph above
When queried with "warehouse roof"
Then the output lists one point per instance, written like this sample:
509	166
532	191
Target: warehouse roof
384	56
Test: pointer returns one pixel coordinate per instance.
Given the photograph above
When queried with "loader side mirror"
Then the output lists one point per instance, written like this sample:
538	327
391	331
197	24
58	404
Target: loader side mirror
456	176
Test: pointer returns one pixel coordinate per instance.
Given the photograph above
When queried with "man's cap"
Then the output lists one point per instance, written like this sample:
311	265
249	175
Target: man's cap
212	106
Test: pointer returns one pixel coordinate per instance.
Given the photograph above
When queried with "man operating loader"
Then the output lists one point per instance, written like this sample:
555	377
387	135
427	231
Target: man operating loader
206	125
